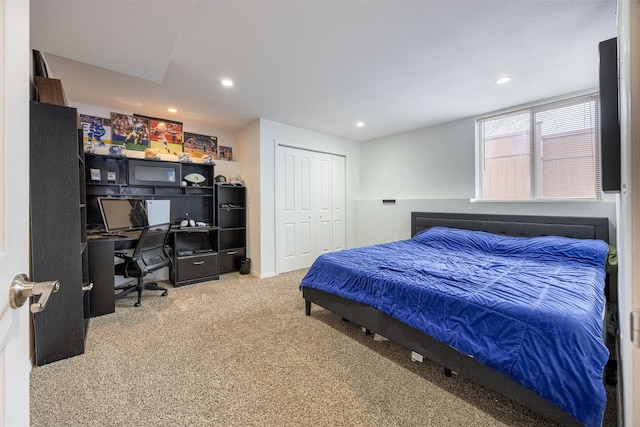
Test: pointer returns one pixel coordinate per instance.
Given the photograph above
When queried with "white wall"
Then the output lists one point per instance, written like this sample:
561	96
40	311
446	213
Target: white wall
433	169
433	162
272	133
248	154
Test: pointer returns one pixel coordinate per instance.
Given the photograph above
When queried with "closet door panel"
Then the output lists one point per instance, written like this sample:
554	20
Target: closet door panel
295	229
322	214
338	202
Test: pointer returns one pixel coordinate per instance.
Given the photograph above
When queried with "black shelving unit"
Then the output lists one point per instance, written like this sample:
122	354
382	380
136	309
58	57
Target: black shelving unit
58	238
231	217
113	176
84	248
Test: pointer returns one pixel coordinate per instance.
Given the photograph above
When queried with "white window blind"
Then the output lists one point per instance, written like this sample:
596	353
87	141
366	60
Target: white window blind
550	151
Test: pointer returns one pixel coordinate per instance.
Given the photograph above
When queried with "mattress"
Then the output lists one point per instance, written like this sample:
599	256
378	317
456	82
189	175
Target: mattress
530	308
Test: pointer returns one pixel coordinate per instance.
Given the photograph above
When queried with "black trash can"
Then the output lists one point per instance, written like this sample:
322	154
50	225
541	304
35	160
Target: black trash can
245	266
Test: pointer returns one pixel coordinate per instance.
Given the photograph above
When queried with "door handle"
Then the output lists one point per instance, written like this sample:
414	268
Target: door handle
21	289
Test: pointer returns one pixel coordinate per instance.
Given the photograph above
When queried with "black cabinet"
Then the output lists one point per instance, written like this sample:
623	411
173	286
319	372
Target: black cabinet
118	176
58	239
231	218
195	255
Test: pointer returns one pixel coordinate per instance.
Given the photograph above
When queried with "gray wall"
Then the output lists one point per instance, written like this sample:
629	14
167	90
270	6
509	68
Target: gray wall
433	170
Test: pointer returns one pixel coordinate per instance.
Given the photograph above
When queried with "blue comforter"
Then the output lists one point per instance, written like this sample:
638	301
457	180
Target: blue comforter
530	308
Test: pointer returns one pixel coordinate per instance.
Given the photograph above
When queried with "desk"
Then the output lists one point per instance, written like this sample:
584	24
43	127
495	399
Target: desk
194	256
102	298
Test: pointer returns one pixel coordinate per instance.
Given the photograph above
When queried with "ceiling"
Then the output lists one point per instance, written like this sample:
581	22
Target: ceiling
320	65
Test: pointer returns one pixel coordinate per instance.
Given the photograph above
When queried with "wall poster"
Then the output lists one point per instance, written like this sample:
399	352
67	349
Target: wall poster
200	145
130	131
164	135
95	130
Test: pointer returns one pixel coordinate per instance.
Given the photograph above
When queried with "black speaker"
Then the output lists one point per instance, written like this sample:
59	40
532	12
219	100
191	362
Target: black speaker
609	116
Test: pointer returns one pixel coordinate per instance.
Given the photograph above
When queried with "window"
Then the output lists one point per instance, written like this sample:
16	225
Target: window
550	151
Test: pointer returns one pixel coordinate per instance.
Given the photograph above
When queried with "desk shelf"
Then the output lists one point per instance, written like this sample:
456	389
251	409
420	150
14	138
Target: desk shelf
194	255
194	202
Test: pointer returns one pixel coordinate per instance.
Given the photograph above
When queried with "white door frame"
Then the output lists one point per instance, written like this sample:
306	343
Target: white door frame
628	232
15	343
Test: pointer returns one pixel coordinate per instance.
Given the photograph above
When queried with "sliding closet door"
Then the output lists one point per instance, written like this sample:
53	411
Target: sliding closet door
338	200
295	235
323	202
310	188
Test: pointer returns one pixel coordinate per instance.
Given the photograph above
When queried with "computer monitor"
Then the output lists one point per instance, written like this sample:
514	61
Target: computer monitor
120	213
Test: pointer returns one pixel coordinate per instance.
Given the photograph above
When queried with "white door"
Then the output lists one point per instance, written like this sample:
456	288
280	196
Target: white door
338	202
295	235
311	189
628	233
15	364
322	195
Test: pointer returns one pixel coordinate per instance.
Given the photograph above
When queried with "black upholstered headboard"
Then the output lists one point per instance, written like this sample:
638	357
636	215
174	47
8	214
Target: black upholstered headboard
515	225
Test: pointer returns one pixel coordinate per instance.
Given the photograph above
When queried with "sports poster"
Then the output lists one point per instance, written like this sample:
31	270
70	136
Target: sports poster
95	130
200	145
130	131
164	135
225	153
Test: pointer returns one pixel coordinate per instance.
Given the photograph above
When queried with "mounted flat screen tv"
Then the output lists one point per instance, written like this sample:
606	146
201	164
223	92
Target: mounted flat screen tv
609	116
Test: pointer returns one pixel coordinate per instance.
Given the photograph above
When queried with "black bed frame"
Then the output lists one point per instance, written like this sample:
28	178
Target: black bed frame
398	332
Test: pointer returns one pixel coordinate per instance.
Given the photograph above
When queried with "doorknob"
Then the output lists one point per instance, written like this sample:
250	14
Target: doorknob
21	289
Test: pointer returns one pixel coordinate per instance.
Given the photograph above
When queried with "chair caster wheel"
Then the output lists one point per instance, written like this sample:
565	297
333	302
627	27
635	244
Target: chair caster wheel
165	293
137	304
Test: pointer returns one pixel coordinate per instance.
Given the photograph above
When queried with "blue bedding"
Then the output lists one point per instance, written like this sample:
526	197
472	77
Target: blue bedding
530	308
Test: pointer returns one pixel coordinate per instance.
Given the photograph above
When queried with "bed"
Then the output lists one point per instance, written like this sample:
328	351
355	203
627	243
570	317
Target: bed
514	303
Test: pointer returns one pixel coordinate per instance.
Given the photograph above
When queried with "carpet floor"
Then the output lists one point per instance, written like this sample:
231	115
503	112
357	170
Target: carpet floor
241	352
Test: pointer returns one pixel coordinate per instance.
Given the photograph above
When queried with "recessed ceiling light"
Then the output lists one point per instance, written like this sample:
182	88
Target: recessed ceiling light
226	82
129	101
360	124
503	80
172	110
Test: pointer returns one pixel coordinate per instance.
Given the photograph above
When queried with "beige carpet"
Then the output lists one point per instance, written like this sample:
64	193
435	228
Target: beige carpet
241	352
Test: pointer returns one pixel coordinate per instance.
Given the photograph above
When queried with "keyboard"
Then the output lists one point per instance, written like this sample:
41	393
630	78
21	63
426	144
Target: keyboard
129	233
123	233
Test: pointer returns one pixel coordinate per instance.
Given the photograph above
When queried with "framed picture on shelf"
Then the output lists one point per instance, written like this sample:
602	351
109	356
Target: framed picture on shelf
130	131
200	145
164	135
95	130
225	153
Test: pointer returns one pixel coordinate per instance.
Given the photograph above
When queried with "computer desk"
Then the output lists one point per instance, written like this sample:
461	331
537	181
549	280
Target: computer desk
186	268
102	251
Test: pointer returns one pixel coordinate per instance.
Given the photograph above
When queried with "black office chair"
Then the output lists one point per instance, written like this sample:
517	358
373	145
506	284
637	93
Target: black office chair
149	255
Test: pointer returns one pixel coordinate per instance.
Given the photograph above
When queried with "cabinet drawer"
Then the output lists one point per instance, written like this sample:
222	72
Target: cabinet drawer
230	259
197	266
